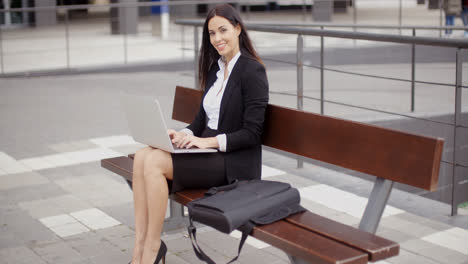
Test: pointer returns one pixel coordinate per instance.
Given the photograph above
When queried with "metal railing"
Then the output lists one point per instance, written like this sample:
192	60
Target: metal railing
246	3
285	28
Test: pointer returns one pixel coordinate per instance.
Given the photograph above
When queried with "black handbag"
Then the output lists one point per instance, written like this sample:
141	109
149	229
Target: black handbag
242	205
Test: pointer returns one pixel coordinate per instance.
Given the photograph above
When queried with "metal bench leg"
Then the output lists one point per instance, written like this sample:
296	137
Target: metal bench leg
295	260
376	205
177	219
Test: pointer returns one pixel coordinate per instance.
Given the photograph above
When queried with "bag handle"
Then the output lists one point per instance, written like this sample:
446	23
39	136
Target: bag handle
192	230
215	190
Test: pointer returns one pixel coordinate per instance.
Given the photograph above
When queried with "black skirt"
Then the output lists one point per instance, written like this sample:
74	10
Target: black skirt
198	170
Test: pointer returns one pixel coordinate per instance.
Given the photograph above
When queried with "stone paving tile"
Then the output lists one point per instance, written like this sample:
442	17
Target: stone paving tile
174	259
395	235
10	181
410	258
113	141
278	253
123	213
54	174
19	255
330	213
89	188
94	218
435	252
58	252
190	257
91	244
295	181
128	149
83	169
411	228
72	146
18	228
179	244
30	193
37	163
453	238
260	257
54	206
10	165
224	244
348	202
120	236
251	241
424	221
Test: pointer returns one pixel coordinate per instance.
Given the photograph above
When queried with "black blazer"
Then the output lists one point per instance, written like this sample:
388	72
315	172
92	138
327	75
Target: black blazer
241	118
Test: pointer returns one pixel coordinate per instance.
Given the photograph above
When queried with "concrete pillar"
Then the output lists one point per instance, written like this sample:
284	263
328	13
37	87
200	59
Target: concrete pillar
7	15
322	10
46	17
340	6
124	20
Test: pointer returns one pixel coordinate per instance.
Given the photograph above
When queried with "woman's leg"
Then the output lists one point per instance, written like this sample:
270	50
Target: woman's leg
449	21
464	18
157	168
140	204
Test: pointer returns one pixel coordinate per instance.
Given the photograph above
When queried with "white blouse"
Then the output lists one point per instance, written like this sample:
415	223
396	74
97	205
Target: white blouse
212	101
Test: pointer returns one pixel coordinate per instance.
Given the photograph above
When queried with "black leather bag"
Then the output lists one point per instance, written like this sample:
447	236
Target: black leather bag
242	205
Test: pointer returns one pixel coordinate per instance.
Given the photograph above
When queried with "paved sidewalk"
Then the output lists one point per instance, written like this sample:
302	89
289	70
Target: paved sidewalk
59	206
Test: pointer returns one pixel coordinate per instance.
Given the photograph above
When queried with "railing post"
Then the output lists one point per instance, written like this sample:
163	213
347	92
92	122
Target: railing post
1	49
413	71
322	110
196	41
440	18
125	32
183	41
458	91
400	16
300	82
67	38
354	13
304	11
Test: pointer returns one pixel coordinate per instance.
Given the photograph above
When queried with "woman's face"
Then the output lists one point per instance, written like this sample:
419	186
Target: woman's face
224	36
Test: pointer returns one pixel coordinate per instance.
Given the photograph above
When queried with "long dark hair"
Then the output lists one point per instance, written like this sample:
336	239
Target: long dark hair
208	54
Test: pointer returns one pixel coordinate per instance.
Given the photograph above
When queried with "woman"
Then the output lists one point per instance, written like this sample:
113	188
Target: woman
452	8
230	119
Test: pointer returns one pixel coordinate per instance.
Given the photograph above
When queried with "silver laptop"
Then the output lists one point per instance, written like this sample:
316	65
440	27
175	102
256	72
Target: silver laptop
147	125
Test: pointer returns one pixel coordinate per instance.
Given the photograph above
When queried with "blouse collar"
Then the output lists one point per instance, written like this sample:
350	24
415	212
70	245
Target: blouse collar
231	64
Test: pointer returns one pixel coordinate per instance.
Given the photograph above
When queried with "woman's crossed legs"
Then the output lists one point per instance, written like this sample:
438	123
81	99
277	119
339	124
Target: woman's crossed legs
151	168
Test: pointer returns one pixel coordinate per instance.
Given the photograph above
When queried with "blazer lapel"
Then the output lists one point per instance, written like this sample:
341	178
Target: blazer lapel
232	84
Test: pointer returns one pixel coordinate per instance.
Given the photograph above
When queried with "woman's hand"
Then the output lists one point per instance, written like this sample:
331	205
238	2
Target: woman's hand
184	140
176	137
202	143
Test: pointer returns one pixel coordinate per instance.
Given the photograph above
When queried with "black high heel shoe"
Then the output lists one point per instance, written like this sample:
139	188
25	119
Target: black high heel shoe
161	253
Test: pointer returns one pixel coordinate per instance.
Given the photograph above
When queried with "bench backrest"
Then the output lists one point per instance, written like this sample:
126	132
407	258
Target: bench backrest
394	155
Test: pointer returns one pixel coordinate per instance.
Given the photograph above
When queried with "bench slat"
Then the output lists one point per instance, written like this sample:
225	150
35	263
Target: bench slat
307	245
122	166
377	247
398	156
186	104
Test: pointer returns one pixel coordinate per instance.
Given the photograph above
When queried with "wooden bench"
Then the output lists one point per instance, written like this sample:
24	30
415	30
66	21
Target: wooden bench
390	155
